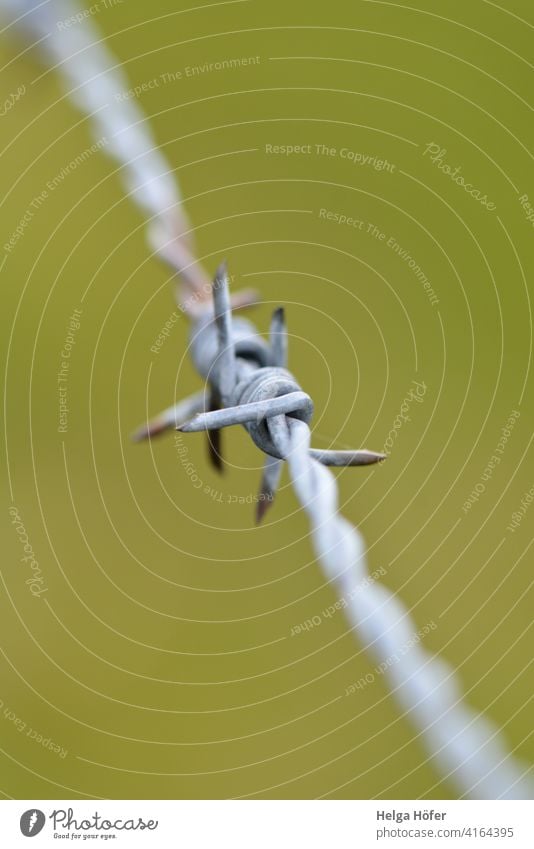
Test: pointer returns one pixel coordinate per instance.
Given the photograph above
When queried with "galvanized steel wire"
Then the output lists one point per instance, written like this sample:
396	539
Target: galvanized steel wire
247	382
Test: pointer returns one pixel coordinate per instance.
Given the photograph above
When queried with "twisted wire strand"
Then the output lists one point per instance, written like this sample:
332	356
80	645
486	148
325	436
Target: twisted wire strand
98	87
464	745
96	84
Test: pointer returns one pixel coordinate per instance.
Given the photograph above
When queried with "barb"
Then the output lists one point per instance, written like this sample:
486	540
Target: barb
464	745
226	366
172	417
245	373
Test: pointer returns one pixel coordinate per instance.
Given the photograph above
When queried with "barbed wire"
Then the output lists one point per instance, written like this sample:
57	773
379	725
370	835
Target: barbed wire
247	382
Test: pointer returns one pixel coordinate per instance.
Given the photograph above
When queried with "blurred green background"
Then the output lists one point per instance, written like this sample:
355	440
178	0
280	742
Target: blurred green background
160	657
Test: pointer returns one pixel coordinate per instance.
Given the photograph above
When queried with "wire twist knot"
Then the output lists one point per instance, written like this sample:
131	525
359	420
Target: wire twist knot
248	384
266	384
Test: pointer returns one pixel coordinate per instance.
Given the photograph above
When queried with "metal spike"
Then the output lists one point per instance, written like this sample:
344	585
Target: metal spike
346	458
171	417
243	299
246	412
278	338
226	365
214	437
268	486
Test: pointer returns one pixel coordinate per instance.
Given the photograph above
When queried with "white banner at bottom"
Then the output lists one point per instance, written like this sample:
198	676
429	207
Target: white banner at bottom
268	824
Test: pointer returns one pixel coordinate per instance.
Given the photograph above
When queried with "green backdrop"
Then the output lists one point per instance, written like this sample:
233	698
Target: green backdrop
154	657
